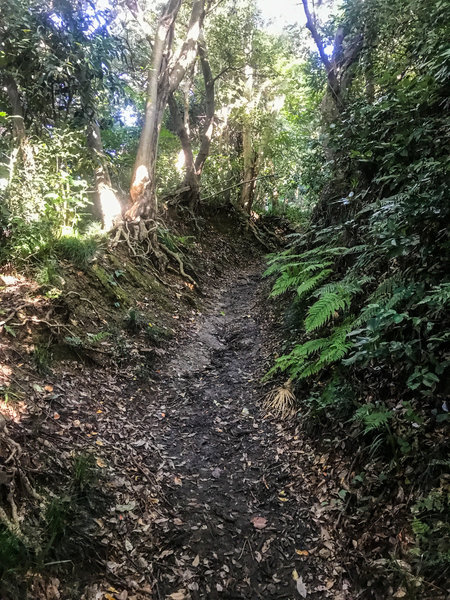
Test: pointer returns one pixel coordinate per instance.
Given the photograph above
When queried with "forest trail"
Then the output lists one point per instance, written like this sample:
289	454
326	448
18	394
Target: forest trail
237	526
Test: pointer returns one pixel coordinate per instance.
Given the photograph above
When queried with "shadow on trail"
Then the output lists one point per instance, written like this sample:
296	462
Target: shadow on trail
235	525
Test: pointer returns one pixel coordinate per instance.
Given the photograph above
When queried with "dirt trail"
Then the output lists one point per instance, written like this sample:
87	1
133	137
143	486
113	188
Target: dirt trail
222	464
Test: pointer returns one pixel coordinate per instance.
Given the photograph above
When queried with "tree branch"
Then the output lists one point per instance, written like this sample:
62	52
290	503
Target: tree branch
316	37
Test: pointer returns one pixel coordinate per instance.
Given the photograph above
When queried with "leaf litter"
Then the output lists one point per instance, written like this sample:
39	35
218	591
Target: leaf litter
208	497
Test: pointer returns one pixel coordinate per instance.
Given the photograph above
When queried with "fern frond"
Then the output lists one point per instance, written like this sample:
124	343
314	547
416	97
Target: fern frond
386	287
285	282
324	308
347	286
315	266
368	312
356	249
312	282
279	267
323	252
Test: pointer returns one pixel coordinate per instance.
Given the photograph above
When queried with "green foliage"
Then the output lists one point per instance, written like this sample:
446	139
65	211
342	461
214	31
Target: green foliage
334	400
96	338
42	357
85	473
47	205
134	321
79	250
376	315
14	559
373	416
431	528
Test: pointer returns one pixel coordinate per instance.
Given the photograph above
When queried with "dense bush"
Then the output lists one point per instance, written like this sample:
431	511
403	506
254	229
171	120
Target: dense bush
369	277
50	202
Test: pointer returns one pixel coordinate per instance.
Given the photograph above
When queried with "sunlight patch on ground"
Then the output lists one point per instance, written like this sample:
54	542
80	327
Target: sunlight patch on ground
12	413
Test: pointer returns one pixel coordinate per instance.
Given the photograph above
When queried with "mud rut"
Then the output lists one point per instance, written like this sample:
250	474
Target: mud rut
222	464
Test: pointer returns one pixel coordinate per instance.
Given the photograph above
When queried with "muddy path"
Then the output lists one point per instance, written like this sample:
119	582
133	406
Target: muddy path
237	528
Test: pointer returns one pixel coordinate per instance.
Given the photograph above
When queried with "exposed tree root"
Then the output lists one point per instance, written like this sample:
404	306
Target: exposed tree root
13	474
141	238
272	234
13	526
91	304
13	313
257	235
177	257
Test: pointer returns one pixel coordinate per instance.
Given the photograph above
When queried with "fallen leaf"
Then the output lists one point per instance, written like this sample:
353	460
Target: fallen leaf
100	463
125	507
196	561
301	588
259	522
180	595
99	442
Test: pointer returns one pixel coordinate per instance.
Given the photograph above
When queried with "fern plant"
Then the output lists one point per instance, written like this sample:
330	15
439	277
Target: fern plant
309	358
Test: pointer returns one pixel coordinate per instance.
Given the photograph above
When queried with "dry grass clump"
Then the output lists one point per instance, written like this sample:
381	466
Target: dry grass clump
281	401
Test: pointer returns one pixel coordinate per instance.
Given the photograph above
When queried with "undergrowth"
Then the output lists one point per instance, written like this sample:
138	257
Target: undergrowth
369	289
58	535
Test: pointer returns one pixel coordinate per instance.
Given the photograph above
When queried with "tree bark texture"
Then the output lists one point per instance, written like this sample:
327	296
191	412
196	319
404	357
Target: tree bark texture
338	68
106	203
248	153
194	166
164	77
18	124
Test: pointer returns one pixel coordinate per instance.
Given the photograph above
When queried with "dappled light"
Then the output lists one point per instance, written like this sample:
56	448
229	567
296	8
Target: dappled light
110	207
10	411
224	299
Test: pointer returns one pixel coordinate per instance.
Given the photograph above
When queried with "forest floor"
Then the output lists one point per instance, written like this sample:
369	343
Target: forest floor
167	479
237	516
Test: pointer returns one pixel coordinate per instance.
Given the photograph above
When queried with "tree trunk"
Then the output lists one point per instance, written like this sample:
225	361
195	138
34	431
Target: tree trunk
19	132
208	127
163	79
249	156
338	69
191	180
194	167
248	153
